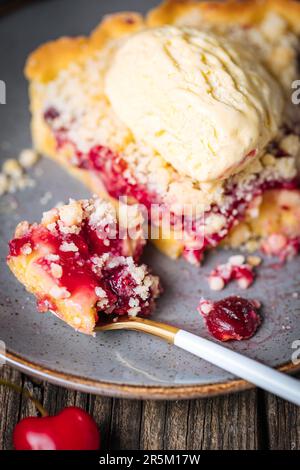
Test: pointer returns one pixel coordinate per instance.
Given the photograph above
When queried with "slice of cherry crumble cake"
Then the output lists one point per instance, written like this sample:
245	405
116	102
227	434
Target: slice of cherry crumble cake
80	262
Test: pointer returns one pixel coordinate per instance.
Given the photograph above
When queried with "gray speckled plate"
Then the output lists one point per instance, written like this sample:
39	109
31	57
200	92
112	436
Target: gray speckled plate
114	363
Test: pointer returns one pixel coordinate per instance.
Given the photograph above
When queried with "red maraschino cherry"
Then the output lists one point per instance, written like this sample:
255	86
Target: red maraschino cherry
71	429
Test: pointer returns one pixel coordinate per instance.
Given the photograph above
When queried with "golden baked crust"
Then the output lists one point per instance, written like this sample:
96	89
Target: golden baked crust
225	12
47	60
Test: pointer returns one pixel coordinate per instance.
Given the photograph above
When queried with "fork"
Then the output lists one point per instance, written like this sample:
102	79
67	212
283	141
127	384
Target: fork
248	369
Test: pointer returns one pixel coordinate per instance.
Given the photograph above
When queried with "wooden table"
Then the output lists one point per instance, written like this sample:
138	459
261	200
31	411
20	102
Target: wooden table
247	420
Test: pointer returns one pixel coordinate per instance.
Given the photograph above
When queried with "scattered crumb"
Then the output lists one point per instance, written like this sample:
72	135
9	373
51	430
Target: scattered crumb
18	184
295	295
13	177
237	269
216	282
12	168
254	260
285	327
28	158
46	198
251	245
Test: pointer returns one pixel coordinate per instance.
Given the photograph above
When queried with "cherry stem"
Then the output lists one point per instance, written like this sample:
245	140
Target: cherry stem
27	394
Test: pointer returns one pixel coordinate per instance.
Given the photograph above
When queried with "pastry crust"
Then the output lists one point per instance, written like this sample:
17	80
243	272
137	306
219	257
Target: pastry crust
231	11
46	61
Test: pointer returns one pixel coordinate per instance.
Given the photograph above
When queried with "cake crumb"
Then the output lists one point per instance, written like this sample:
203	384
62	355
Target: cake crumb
216	283
13	178
12	168
254	260
46	198
28	158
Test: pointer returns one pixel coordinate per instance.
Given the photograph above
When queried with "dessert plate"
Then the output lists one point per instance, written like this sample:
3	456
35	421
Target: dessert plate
116	363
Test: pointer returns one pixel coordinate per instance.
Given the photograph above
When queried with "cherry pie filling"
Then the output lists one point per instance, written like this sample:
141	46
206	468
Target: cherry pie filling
87	267
110	167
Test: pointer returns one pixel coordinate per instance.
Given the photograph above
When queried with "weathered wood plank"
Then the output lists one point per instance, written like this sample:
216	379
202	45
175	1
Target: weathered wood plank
27	407
226	422
176	427
101	410
57	398
9	406
153	425
283	420
125	424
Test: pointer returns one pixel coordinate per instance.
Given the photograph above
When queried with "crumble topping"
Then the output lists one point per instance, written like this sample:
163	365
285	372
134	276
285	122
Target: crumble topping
52	257
276	45
71	214
50	217
26	249
59	292
65	246
98	263
100	292
22	229
56	270
102	217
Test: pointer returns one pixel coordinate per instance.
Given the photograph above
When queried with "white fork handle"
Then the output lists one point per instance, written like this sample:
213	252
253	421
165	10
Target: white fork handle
248	369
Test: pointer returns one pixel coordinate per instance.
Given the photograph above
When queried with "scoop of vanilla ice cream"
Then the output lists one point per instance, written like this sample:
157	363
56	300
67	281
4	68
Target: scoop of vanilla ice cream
200	101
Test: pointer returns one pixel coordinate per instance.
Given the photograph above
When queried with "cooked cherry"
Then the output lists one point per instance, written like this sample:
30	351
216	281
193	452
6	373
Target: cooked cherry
233	318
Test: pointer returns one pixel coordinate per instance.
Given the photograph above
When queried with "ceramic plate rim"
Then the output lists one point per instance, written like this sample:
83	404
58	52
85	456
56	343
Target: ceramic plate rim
111	389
